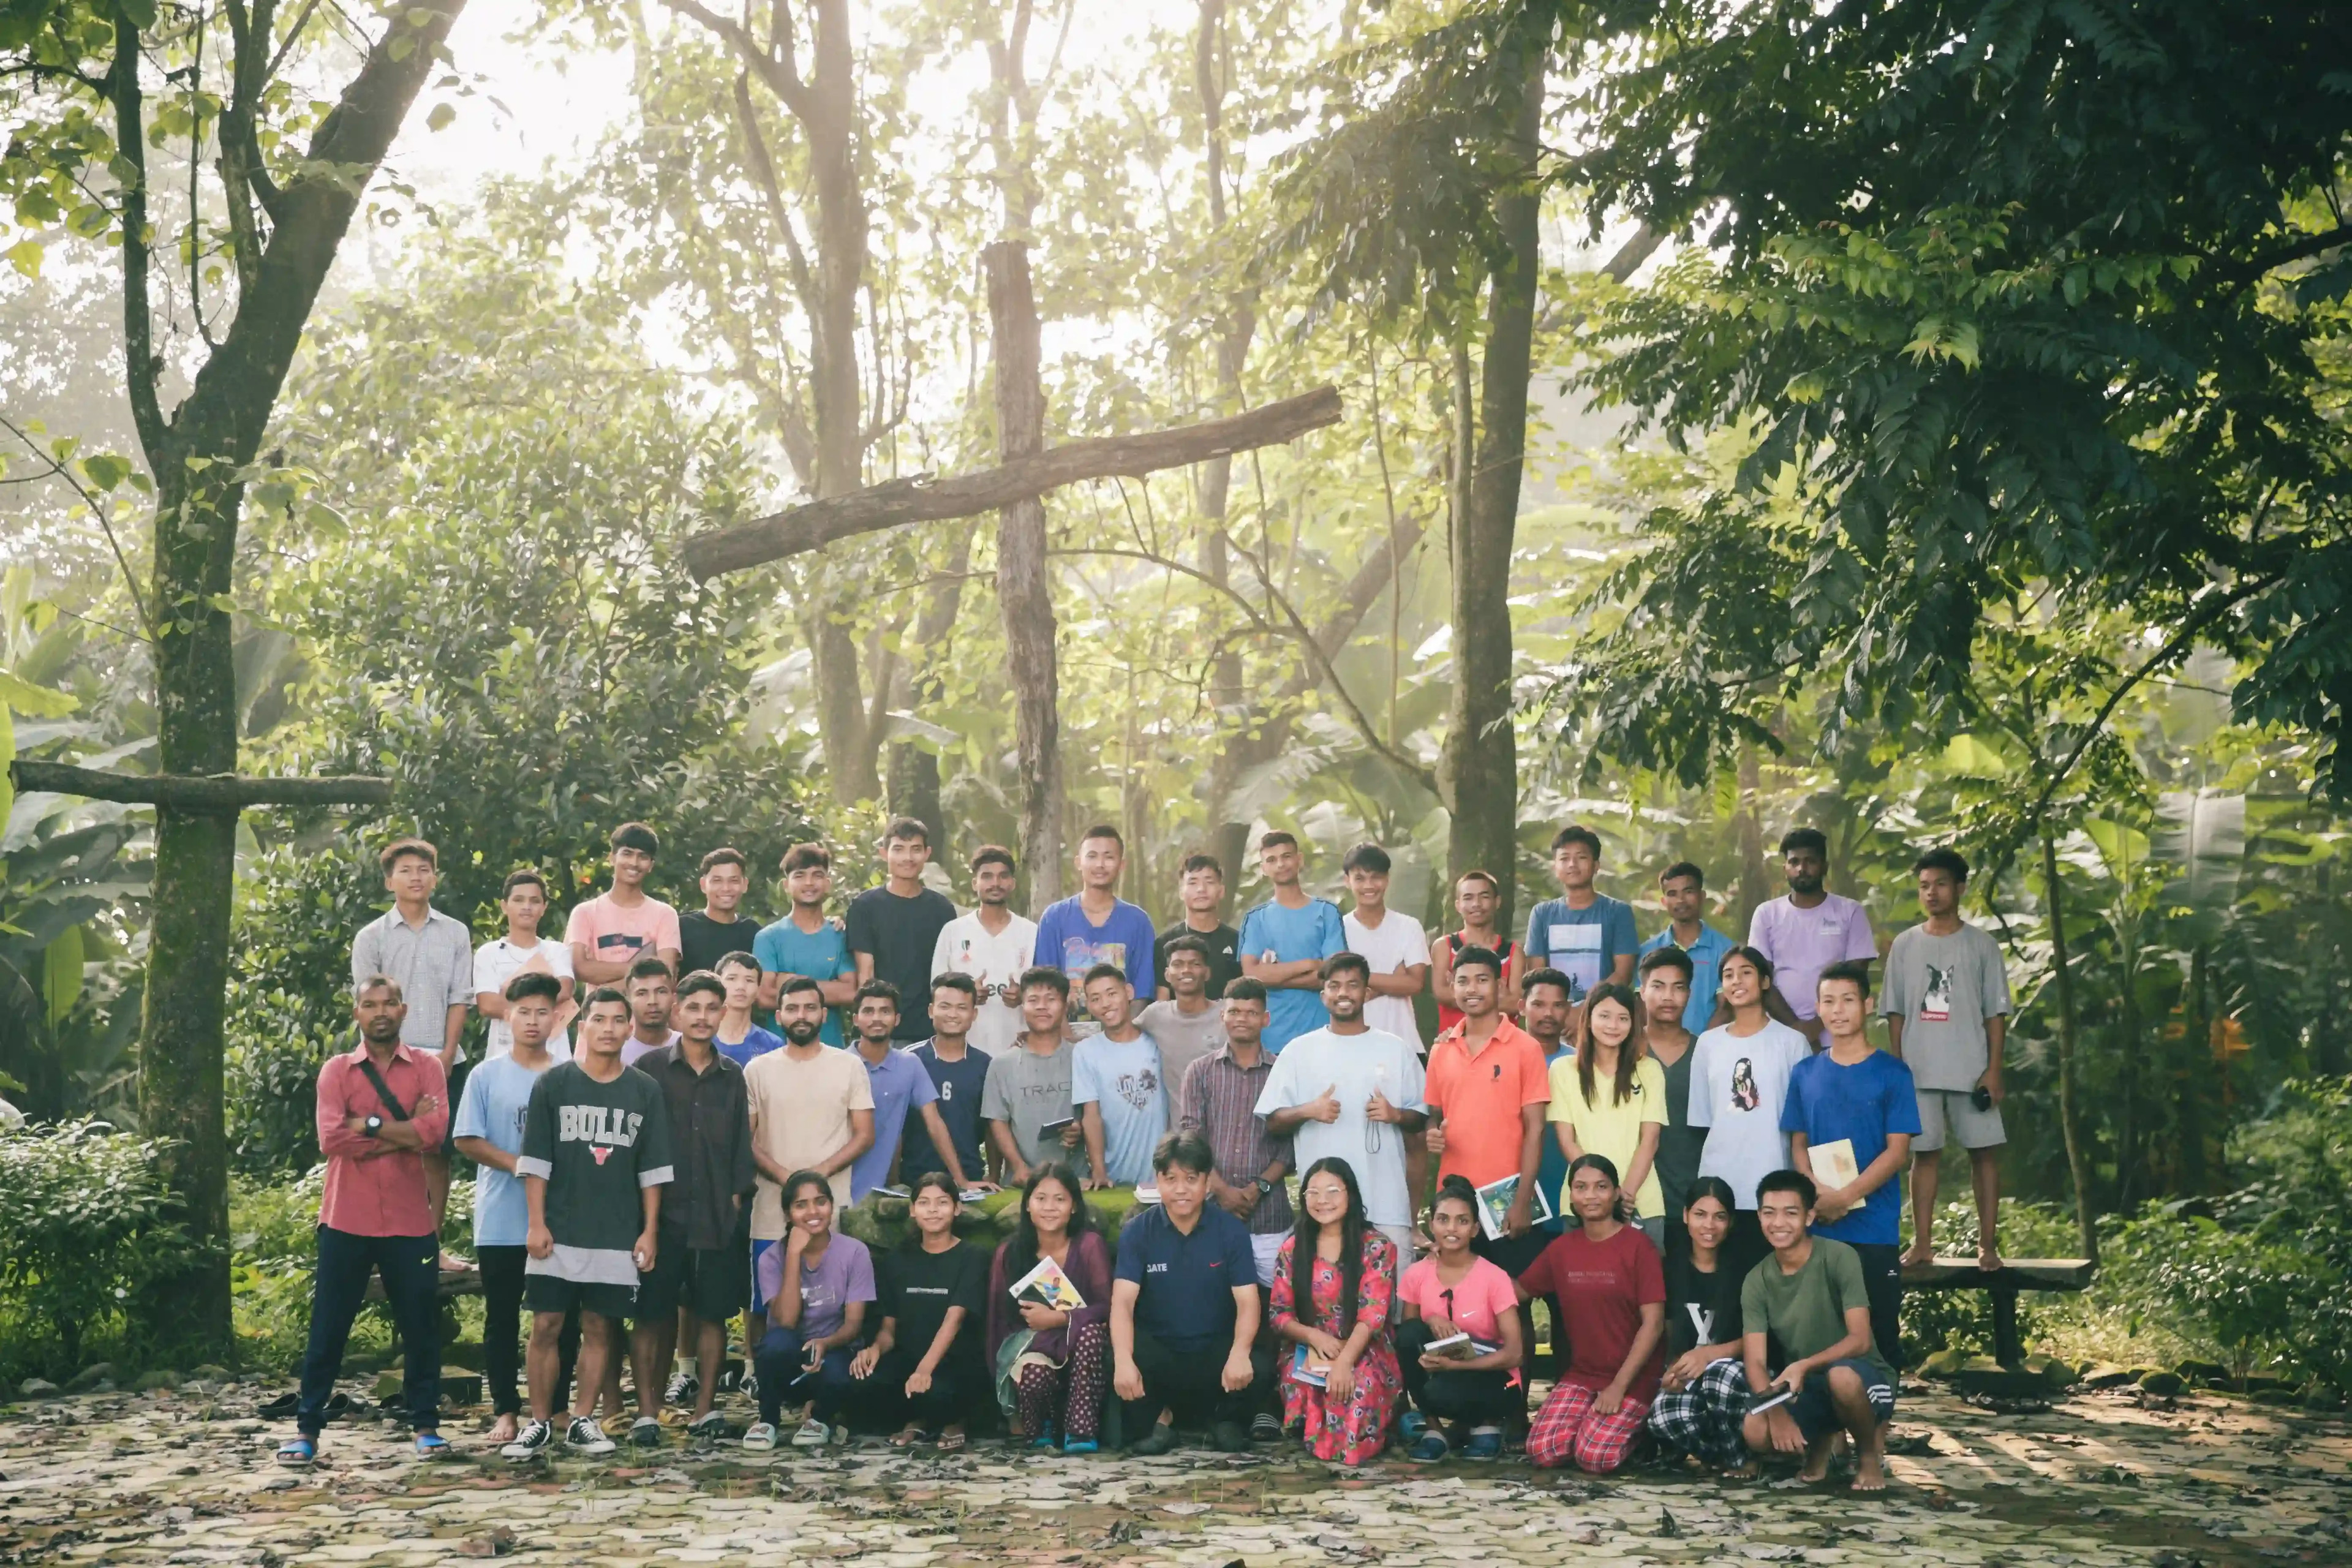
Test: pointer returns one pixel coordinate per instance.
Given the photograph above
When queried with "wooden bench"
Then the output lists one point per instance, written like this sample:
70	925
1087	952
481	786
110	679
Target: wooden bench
454	1283
2063	1273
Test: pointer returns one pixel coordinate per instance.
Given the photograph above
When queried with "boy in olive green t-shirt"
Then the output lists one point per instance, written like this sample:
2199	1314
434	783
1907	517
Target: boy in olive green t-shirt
1811	1294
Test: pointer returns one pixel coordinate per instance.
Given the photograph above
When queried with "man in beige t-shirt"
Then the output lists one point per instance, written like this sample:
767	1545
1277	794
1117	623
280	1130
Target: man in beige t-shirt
812	1109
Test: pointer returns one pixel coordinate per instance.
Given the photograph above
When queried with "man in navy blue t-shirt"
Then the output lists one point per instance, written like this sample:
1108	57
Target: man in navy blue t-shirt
1850	1113
959	1073
1184	1310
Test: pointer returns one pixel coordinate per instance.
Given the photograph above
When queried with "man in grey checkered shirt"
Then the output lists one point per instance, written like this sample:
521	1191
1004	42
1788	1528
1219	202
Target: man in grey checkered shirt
432	957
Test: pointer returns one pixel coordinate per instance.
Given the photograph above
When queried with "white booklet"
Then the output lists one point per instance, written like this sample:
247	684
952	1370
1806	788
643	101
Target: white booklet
1833	1166
1495	1205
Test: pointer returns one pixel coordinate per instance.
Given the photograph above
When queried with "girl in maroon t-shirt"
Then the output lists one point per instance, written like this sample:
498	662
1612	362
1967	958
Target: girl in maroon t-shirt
1612	1289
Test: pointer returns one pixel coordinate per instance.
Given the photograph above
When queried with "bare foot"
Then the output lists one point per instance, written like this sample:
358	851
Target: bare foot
453	1263
1922	1251
1746	1472
1867	1474
1988	1259
502	1430
1817	1464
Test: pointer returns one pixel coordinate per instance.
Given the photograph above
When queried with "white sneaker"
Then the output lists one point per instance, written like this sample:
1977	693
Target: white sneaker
814	1434
585	1437
531	1442
760	1436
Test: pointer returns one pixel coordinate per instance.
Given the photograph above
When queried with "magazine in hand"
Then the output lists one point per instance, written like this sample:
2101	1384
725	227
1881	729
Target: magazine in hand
1495	1205
1048	1287
1308	1368
1834	1166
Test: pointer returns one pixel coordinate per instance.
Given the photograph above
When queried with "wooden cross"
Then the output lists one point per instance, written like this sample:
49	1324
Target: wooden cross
199	793
1013	491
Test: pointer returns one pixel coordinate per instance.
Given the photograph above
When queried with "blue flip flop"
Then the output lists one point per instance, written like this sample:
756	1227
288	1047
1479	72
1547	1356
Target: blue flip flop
298	1452
432	1446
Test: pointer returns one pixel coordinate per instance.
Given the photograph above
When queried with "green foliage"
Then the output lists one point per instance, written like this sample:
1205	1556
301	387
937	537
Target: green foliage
84	1223
1987	358
1935	1319
2269	1274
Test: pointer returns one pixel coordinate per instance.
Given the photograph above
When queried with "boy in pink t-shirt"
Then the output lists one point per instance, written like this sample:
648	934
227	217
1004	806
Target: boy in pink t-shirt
612	931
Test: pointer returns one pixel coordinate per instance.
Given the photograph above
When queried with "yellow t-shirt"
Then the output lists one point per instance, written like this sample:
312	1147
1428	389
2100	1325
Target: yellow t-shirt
1612	1129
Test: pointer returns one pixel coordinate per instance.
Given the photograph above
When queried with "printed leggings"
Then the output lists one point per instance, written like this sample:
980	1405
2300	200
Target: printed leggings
1071	1395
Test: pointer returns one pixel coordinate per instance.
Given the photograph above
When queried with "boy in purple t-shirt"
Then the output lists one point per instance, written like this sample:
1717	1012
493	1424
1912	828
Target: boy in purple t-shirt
1808	928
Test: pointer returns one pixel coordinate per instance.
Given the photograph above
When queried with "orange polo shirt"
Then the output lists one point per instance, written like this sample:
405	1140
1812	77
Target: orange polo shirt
1481	1095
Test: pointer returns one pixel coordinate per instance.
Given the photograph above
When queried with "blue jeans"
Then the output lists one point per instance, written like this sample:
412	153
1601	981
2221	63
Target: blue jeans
411	1267
779	1367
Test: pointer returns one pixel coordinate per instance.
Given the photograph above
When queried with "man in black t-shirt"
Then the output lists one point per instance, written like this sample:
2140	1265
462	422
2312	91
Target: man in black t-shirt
1201	891
595	1155
893	929
959	1075
719	927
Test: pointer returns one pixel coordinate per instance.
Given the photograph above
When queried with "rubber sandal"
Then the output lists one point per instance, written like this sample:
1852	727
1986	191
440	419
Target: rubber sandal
298	1453
910	1438
432	1446
280	1408
951	1441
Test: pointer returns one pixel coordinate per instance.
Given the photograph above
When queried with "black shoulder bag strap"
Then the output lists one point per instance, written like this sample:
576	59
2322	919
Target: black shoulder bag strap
383	1089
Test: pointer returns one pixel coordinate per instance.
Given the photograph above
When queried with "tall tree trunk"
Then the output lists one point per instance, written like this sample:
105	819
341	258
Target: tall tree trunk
213	435
2070	1113
1229	839
915	770
1023	590
1480	767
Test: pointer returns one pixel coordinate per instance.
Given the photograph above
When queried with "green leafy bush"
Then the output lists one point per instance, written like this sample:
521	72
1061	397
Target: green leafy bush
84	1223
1935	1319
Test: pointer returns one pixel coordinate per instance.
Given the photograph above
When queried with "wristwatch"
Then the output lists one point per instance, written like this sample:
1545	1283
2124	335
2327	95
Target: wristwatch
1263	1186
372	1125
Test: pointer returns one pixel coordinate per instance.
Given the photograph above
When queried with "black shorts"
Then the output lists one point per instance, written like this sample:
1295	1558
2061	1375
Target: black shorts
548	1293
713	1283
1815	1411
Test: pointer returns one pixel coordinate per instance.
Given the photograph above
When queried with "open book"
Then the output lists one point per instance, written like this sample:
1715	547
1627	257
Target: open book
1834	1166
1048	1287
1495	1205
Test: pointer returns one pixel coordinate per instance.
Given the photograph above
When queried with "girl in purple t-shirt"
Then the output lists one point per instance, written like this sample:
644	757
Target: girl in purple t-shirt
816	1285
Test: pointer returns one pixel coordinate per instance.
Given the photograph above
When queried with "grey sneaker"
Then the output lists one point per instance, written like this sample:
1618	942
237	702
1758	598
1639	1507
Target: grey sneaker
645	1432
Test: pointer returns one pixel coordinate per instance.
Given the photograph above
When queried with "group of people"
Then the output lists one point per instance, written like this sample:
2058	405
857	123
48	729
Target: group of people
1687	1148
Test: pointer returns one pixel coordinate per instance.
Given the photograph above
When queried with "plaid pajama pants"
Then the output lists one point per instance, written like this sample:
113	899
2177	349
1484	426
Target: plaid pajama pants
1704	1419
1568	1427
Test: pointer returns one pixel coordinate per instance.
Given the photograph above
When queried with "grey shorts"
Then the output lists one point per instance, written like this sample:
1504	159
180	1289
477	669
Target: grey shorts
1952	1108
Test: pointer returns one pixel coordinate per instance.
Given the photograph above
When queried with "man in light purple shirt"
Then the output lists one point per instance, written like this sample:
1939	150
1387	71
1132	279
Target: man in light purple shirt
1807	927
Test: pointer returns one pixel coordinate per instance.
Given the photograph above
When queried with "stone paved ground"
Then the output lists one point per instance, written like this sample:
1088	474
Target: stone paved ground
186	1475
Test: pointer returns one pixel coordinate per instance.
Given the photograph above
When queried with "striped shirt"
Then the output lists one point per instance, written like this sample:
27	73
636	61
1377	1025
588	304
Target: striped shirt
1219	1101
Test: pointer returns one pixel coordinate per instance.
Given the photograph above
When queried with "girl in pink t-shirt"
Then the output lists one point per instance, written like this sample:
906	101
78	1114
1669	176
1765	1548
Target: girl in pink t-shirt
1455	1291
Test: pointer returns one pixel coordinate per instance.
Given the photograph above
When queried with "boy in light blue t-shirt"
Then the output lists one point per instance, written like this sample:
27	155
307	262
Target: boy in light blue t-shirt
1117	1085
488	1131
1284	942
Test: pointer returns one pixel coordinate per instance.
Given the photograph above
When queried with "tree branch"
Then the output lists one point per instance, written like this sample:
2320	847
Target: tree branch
218	793
138	310
923	499
2299	249
2182	641
772	193
782	77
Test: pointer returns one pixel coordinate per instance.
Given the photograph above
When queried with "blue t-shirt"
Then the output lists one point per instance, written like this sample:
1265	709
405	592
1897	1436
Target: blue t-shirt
1827	1101
1123	1077
900	1087
497	1094
784	948
755	1045
1069	941
1313	930
1583	944
1187	1281
958	1084
1706	955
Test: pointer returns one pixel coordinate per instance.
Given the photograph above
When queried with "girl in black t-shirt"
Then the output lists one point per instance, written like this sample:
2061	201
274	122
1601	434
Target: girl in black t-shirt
924	1367
1704	1399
